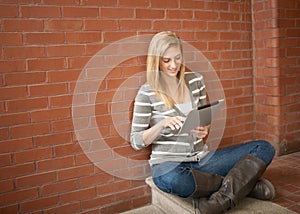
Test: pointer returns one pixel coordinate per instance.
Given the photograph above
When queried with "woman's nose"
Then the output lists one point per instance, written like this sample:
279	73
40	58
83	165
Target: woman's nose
172	64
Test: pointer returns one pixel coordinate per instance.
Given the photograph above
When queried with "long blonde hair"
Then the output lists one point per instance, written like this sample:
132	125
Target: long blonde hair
158	46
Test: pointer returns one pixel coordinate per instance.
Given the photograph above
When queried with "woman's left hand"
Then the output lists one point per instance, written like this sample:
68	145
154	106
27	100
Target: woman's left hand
201	131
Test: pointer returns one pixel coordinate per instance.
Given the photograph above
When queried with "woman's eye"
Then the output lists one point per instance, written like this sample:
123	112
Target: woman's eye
178	57
166	60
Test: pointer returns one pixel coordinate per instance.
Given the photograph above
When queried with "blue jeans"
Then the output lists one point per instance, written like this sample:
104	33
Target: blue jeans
177	178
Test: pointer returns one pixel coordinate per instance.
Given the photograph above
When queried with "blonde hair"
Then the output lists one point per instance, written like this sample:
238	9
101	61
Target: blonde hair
158	46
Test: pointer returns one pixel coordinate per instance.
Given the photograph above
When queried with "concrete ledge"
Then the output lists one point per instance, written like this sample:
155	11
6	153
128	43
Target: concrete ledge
174	204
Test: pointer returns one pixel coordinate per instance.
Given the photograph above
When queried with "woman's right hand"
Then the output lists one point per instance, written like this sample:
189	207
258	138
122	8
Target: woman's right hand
173	122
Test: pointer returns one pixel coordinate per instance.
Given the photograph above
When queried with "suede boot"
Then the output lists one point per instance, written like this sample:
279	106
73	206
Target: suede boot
206	183
263	190
236	185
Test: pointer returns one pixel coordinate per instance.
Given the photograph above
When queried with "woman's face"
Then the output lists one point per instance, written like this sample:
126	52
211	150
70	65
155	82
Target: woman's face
171	60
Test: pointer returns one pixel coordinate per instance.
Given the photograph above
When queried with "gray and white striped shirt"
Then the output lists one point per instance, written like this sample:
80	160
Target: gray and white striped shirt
169	145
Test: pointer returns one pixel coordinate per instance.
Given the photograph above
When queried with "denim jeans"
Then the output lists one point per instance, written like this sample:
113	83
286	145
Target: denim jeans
177	178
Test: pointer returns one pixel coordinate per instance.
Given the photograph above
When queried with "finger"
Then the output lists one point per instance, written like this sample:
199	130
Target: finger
178	121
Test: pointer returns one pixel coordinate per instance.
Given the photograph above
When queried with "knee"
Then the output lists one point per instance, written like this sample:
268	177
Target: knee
267	149
267	146
177	183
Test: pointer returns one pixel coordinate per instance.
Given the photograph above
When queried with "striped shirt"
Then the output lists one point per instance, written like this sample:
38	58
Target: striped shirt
169	145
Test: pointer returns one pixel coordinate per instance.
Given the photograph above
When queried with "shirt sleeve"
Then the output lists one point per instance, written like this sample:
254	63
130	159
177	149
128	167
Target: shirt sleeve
202	89
142	113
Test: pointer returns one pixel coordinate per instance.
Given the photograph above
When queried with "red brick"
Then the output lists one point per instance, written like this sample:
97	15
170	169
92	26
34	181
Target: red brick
114	187
10	209
191	4
119	13
5	160
293	51
103	25
52	114
218	26
53	139
39	204
80	12
47	90
27	78
11	38
9	11
99	2
161	25
206	15
75	172
26	105
115	36
134	24
78	195
16	170
46	64
242	63
230	16
4	133
83	37
95	180
230	36
179	14
93	48
165	4
134	3
55	163
98	202
63	76
12	66
59	187
14	119
6	186
35	180
150	14
268	110
23	52
44	38
30	130
32	155
67	149
15	145
61	101
194	25
40	11
62	125
230	55
219	6
63	25
207	36
77	62
219	45
19	25
130	194
59	2
125	151
68	208
65	50
18	196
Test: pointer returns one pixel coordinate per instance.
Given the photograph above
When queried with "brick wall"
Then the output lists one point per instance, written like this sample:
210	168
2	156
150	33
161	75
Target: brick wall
45	44
276	39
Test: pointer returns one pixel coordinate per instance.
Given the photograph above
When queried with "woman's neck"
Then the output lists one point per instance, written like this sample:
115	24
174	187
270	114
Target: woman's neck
171	81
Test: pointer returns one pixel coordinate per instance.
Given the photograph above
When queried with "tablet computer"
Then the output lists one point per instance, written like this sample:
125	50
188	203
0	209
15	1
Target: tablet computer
201	116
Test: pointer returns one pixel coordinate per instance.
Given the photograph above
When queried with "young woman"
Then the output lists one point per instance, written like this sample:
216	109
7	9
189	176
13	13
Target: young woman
182	164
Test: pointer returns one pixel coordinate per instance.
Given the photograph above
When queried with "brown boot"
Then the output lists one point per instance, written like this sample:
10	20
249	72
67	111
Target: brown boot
236	185
263	190
206	183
